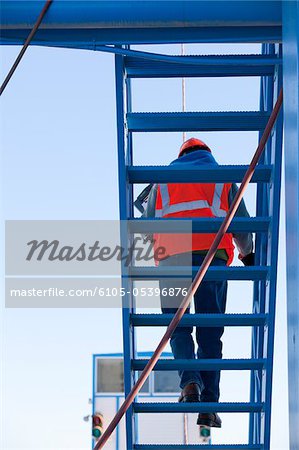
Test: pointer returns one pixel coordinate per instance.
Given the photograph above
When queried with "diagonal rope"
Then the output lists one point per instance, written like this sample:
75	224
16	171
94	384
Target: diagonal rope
197	280
25	46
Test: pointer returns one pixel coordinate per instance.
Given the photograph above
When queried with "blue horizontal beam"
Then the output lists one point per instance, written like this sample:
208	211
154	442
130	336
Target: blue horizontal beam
206	320
214	273
199	225
202	364
198	447
94	39
129	13
197	407
200	174
129	21
208	65
197	121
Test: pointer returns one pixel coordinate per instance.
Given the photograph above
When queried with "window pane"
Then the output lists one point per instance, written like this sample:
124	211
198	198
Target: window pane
110	375
167	381
145	387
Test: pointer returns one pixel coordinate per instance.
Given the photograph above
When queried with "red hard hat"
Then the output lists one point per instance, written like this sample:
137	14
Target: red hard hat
193	142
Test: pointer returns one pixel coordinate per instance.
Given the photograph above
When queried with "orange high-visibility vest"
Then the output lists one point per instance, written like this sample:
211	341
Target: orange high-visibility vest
192	200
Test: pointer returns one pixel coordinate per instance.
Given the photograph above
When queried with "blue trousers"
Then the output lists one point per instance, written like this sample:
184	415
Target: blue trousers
210	297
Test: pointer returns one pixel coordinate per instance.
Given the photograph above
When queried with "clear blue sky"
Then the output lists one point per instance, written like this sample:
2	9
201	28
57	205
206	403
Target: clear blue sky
59	160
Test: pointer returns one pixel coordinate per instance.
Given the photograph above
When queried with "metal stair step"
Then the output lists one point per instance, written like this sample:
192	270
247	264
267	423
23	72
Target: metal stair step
199	225
197	121
200	174
202	66
202	364
206	320
198	446
175	407
214	273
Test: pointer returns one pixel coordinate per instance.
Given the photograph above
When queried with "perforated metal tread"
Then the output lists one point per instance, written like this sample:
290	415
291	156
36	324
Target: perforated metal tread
156	407
197	121
199	224
198	446
214	273
199	174
207	320
201	66
202	364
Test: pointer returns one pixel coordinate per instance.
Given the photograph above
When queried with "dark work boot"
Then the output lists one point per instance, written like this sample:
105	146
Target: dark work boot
209	420
190	393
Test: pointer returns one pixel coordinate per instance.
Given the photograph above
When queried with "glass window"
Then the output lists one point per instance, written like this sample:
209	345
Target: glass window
110	376
166	381
145	387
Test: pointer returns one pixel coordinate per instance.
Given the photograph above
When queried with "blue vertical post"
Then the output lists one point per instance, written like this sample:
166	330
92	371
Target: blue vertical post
272	259
261	249
291	124
125	211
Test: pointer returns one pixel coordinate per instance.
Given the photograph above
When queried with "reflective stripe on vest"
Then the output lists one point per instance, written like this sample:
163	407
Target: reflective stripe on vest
191	205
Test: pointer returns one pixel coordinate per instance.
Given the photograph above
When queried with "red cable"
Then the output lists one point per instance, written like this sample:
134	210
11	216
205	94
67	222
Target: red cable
197	280
24	48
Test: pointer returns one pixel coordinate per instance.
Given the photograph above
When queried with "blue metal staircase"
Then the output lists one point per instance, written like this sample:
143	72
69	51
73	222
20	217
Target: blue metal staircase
266	224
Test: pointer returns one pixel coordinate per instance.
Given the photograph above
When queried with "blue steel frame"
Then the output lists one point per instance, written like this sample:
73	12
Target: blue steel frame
266	102
268	15
132	22
268	195
123	103
268	204
291	123
273	199
262	209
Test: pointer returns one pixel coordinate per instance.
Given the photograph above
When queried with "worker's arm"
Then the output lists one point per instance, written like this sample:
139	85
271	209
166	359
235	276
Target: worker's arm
149	210
243	241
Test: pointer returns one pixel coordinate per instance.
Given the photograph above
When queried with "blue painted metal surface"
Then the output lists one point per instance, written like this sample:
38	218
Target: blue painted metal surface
206	320
197	121
291	108
275	157
196	447
202	364
125	13
267	177
197	407
82	23
219	174
94	39
74	25
214	273
266	103
199	225
207	65
125	205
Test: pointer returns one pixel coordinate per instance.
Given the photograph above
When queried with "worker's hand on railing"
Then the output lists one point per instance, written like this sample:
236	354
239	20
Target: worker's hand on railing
247	260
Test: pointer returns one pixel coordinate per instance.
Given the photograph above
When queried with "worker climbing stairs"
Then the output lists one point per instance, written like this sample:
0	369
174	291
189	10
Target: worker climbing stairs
113	26
265	225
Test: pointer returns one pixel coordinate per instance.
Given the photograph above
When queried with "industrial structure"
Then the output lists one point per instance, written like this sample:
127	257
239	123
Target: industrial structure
161	386
112	26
